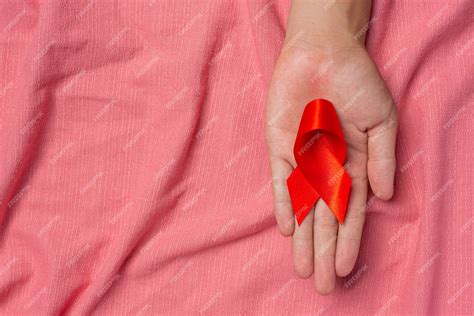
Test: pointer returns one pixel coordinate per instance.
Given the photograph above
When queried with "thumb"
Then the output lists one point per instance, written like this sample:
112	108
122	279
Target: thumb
381	163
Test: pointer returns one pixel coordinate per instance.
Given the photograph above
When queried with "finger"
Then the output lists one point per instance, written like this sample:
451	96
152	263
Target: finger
281	170
381	164
302	247
350	232
325	234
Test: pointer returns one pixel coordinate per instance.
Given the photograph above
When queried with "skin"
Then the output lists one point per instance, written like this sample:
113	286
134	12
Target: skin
322	58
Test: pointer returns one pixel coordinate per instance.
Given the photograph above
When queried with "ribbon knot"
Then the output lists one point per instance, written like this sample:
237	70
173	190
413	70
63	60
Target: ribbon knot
320	152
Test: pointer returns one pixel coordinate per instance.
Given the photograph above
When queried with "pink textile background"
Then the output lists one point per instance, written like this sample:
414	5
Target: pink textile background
134	175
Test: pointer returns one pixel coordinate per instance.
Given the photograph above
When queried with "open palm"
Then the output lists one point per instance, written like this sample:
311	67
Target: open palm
351	81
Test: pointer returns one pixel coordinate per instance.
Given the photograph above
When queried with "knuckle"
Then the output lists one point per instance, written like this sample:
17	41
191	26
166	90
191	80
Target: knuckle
325	223
302	238
355	217
283	209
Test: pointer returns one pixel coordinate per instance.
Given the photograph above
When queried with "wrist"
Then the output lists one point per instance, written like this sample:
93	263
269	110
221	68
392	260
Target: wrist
327	25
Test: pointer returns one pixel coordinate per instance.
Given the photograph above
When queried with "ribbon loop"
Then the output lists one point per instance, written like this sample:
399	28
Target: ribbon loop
320	152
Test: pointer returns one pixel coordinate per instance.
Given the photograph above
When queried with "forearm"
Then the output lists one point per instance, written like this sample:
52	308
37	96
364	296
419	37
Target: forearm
328	23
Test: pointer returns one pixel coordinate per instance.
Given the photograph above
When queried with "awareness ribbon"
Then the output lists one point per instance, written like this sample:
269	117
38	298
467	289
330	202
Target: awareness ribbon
320	152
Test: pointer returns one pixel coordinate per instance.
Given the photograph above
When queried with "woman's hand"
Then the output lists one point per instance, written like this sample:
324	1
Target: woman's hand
342	72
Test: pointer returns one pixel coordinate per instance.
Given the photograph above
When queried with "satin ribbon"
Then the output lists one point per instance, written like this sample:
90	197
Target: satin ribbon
320	152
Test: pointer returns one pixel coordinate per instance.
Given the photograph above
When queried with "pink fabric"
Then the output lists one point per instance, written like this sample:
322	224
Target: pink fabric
134	176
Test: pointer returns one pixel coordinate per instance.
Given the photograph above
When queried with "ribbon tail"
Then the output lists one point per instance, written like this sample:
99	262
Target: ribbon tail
302	194
340	198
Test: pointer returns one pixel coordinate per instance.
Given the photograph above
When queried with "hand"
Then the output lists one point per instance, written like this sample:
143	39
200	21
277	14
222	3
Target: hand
346	76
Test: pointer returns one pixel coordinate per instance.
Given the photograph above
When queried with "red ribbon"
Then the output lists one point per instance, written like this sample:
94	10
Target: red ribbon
320	152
